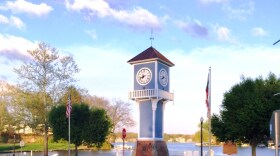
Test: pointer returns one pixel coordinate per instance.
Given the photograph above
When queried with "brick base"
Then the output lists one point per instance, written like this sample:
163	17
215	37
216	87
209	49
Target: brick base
150	148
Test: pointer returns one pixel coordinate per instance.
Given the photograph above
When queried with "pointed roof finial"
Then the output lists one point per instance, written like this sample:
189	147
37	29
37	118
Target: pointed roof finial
152	38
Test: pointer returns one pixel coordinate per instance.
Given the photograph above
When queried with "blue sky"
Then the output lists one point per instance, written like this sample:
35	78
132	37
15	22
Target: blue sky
234	37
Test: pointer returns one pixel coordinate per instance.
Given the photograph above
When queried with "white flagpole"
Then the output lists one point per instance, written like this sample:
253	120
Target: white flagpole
209	115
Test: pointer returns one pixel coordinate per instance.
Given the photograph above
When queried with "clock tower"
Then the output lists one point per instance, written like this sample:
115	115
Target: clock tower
151	84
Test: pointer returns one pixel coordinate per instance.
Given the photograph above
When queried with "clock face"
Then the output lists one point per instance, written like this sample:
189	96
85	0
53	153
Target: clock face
163	77
144	76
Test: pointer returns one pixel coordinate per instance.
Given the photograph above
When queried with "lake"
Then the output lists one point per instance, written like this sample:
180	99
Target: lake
175	149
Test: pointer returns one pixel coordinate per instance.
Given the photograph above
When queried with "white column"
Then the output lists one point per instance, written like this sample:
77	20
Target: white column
138	124
163	109
154	108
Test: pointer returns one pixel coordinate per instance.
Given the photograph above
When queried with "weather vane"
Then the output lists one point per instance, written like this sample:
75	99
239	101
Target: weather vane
152	38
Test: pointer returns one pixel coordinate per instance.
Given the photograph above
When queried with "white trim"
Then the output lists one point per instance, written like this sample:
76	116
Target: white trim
152	59
149	139
156	75
146	62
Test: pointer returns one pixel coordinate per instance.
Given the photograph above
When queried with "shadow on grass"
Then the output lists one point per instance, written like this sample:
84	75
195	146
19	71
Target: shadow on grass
8	148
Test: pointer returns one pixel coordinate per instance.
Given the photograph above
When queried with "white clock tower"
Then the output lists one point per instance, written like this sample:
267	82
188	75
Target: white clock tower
151	93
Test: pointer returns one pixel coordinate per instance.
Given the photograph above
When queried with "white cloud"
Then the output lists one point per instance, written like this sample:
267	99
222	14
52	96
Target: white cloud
13	21
213	1
194	28
224	34
22	6
15	47
92	33
4	19
137	17
13	50
257	31
242	11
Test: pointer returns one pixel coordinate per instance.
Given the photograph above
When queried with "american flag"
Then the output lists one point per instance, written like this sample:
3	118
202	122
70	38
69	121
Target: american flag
68	107
207	96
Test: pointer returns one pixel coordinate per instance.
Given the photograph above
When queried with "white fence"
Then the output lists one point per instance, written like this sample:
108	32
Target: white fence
171	153
148	93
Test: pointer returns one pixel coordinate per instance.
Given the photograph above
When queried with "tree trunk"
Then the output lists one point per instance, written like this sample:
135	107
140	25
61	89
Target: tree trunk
46	140
76	150
254	150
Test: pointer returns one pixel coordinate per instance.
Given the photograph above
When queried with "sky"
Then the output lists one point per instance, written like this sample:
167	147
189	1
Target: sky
233	37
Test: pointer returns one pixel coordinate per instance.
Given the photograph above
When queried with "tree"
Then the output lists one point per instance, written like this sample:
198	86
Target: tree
205	132
79	123
46	74
120	112
246	110
89	126
6	119
98	128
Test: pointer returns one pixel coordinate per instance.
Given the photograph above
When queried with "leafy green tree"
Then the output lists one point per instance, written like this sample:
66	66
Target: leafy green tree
246	110
79	122
80	117
89	126
98	128
59	123
47	74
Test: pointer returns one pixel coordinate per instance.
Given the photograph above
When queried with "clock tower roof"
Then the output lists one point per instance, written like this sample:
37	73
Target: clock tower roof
150	54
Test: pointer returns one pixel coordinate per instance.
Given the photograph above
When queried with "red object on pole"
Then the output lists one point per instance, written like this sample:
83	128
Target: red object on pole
123	133
123	137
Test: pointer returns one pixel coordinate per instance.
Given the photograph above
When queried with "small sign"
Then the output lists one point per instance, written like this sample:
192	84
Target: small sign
123	133
229	148
21	143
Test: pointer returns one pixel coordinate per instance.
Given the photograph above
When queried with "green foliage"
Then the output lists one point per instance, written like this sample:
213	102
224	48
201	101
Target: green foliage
58	122
205	132
79	122
246	111
89	126
98	127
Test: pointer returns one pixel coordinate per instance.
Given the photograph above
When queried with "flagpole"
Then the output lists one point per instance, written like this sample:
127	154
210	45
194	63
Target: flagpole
69	135
69	116
209	115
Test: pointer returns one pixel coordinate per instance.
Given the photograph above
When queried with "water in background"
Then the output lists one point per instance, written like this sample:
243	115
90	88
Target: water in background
175	149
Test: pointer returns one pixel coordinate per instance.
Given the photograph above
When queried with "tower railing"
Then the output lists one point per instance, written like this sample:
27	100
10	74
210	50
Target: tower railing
150	93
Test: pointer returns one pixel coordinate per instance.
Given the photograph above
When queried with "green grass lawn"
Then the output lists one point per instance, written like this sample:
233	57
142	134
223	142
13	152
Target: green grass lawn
34	147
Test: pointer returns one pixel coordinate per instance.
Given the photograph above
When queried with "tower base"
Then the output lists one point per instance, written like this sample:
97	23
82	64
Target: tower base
150	148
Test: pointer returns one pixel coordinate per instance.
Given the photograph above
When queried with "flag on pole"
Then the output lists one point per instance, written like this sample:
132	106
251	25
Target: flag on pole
68	107
207	96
